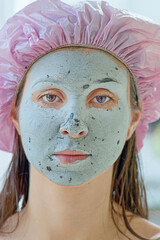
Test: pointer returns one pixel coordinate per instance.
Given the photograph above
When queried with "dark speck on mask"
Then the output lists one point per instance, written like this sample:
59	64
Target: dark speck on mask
72	115
76	120
118	142
70	179
61	176
61	137
102	139
86	86
93	118
48	168
116	68
47	76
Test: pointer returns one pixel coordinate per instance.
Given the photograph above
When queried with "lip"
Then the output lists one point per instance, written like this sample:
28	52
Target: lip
71	152
71	156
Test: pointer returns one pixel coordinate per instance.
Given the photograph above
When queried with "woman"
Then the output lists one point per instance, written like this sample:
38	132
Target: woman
79	86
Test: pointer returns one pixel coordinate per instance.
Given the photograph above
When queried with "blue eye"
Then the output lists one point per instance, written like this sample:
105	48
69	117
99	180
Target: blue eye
101	98
49	98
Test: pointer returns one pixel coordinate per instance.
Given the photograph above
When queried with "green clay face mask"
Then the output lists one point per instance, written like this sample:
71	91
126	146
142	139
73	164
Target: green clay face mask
78	91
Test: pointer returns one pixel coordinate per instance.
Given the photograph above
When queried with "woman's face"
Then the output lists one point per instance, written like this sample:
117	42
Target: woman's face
78	99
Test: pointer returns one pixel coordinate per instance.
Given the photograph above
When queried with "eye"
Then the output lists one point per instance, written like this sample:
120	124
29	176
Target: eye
101	99
49	98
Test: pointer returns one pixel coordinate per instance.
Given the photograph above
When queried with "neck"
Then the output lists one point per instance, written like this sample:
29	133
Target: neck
69	212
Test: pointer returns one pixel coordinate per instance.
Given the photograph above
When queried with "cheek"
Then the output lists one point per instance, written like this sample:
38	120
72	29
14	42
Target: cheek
109	131
110	120
37	126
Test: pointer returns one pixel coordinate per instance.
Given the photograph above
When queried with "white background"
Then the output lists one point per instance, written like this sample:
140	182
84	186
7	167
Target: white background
150	154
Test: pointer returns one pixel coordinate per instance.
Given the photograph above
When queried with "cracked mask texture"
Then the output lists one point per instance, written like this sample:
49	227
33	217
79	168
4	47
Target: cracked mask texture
73	75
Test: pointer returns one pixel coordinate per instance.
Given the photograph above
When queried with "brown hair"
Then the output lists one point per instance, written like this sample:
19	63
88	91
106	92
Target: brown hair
127	189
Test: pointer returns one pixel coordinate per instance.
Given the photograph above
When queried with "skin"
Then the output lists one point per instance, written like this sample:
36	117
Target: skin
79	209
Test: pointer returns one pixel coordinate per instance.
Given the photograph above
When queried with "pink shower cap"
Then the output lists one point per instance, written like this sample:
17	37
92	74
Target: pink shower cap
49	24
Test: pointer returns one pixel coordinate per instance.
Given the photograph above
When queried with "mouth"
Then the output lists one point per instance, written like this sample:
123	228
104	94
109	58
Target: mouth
71	153
70	156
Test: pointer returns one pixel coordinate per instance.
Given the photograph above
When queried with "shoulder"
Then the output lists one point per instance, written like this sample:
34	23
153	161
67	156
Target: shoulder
7	227
139	225
12	228
145	228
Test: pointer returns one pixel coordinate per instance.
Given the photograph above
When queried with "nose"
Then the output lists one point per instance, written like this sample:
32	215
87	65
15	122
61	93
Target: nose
74	128
73	135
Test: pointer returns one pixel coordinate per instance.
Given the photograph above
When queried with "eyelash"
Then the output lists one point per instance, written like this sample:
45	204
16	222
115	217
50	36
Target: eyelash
111	99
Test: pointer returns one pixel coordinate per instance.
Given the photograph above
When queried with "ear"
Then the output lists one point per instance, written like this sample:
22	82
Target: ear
133	124
15	119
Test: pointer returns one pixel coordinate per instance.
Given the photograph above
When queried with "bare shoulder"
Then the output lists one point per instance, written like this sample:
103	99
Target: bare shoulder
141	226
145	228
11	228
8	227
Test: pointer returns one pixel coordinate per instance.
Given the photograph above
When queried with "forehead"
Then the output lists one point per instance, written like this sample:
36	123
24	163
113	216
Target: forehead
77	65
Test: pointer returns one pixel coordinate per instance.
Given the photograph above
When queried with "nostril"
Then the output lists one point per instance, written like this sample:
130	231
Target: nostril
64	131
81	133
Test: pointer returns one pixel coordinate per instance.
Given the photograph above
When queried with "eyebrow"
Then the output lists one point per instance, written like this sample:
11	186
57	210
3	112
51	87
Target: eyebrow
103	80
